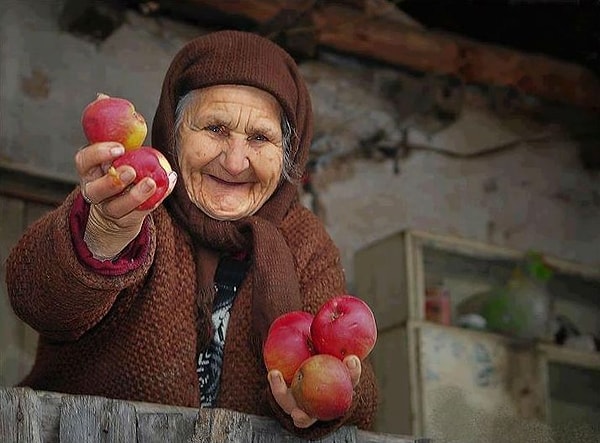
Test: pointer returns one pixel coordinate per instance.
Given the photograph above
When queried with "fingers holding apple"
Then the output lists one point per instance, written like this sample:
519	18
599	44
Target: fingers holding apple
148	163
302	419
354	365
93	161
322	387
286	401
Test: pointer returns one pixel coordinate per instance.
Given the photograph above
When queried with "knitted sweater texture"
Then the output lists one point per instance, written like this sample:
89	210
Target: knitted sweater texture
135	332
133	335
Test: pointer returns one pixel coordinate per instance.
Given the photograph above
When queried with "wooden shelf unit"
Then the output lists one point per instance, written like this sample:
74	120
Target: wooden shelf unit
449	382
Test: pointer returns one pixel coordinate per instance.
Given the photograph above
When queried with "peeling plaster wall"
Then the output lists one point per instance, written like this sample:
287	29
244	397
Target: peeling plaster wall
529	196
48	76
532	196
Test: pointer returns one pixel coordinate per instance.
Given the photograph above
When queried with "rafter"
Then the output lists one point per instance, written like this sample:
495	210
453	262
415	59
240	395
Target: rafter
347	26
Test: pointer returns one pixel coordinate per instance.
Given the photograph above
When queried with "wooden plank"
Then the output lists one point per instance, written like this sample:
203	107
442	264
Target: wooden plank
265	430
573	357
222	426
381	280
384	9
19	416
391	365
33	186
258	11
94	419
350	31
481	249
59	418
164	427
370	437
526	382
50	406
150	417
417	300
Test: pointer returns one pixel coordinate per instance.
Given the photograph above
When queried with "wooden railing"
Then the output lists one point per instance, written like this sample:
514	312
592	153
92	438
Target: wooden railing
30	416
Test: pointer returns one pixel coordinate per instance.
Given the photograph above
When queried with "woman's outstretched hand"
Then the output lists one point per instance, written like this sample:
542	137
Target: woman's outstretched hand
114	219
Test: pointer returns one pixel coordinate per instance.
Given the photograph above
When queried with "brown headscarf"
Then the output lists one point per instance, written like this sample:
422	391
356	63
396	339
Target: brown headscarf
234	57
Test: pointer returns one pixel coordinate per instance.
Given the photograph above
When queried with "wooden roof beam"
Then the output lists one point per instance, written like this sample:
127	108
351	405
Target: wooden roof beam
350	30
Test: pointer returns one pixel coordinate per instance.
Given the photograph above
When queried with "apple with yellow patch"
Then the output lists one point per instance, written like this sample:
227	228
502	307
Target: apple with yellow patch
114	119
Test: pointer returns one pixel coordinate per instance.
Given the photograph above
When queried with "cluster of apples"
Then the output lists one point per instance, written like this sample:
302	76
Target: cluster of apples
114	119
309	351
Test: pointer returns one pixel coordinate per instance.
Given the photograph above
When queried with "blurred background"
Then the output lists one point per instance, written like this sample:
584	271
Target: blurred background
455	162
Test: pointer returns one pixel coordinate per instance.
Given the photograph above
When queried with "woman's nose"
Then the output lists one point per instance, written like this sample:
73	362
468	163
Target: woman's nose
234	157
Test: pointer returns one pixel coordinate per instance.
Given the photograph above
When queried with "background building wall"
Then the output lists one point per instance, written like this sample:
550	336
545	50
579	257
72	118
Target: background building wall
534	195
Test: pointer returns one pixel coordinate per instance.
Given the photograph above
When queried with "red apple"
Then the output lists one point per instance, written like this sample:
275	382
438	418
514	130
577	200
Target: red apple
344	325
114	119
288	343
147	162
322	387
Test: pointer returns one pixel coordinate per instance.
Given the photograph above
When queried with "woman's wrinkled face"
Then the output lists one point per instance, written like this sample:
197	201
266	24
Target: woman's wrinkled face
230	150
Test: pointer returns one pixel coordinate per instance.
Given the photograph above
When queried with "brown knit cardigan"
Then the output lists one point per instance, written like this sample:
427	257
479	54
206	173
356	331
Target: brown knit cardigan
134	334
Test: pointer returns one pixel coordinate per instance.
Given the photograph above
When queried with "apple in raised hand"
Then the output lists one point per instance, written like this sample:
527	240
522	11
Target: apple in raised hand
344	325
147	162
322	387
114	119
288	343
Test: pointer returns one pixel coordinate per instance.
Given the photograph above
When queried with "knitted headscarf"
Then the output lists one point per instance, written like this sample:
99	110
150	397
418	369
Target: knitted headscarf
234	57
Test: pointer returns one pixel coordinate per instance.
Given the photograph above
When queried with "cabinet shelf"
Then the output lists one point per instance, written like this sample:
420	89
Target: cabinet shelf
575	357
552	352
471	384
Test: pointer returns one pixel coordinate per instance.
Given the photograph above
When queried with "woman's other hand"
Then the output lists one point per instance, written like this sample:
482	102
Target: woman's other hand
114	219
285	399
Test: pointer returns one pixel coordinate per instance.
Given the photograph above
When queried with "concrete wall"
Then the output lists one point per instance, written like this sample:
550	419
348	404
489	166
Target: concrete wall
530	196
48	76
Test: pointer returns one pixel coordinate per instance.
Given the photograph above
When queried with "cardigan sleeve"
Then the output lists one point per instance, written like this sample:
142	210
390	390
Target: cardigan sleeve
55	288
131	258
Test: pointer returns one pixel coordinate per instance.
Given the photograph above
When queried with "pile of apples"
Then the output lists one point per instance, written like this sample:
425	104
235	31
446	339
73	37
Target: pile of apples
309	351
114	119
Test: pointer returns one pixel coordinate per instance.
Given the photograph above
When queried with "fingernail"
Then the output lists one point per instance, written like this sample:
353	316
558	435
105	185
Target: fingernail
172	177
146	187
352	364
116	151
126	175
275	378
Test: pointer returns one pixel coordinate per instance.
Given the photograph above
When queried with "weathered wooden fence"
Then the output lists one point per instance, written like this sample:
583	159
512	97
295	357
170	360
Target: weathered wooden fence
42	417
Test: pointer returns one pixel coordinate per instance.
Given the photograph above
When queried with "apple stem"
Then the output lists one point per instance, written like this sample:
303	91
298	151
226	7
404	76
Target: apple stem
113	173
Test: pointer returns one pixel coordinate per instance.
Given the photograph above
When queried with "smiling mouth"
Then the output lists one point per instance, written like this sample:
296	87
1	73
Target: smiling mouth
227	182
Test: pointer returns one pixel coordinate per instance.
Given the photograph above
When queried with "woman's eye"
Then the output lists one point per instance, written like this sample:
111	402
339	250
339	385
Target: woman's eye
216	129
259	137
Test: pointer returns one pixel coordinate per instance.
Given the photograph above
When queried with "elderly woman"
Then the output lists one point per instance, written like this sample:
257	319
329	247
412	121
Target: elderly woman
172	305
